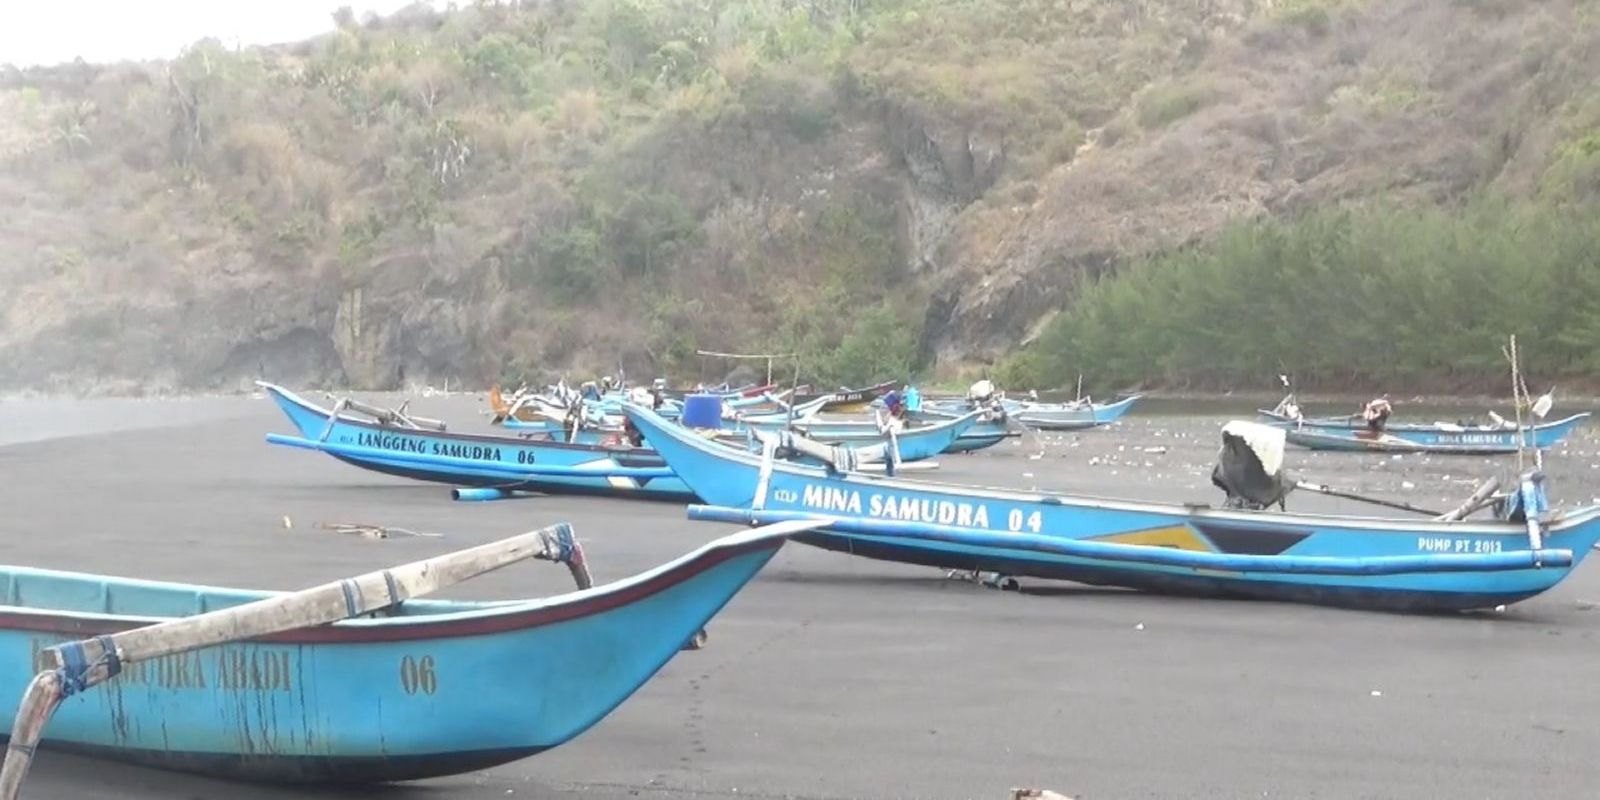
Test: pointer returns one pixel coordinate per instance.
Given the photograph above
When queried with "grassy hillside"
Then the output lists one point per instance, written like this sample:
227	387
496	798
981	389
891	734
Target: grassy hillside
885	186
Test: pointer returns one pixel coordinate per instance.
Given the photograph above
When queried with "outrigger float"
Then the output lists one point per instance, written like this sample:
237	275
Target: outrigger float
1439	564
258	686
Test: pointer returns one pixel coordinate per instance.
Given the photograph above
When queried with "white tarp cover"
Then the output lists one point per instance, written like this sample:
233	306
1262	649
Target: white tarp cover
1266	441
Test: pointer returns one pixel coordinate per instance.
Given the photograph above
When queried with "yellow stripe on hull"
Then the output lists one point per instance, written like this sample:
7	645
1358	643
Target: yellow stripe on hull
1179	537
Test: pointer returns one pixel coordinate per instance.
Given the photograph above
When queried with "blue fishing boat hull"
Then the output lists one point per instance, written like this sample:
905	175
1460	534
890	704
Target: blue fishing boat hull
1459	440
1048	416
1055	417
438	688
915	444
1023	534
985	433
482	461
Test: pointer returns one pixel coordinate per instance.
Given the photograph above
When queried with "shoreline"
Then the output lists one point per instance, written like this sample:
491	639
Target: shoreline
1266	399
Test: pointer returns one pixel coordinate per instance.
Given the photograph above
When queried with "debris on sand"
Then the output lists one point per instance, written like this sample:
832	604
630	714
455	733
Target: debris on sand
371	531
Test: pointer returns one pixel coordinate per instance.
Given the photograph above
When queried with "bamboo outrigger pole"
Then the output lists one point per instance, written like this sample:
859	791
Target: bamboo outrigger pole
72	667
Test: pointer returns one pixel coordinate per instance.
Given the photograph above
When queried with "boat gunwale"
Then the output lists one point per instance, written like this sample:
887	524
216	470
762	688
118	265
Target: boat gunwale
477	618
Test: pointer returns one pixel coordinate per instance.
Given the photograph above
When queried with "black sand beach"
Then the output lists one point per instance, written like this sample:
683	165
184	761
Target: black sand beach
836	677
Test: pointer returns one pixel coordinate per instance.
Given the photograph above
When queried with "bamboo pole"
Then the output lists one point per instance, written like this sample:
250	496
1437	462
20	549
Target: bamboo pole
391	416
1481	497
70	668
1332	492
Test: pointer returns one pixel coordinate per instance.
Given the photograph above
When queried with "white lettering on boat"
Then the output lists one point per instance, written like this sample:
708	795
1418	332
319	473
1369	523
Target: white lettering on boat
895	507
1445	544
1474	438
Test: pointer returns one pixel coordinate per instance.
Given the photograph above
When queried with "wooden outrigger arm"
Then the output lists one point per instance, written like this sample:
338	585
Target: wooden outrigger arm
384	416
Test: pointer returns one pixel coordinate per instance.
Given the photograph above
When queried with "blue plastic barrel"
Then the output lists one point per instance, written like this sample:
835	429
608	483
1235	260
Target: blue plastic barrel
702	411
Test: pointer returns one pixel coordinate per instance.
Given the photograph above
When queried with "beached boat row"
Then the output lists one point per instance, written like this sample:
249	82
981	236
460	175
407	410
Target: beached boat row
280	686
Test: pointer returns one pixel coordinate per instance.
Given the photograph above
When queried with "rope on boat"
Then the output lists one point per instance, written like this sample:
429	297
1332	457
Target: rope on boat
76	668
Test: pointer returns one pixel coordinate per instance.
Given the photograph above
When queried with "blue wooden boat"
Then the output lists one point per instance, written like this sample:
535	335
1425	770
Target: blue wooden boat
846	399
784	412
421	689
911	444
500	463
1070	416
868	445
991	429
1078	415
1351	434
942	434
1339	560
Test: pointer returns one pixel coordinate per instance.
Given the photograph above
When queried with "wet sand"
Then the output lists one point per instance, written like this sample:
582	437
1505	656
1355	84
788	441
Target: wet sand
838	677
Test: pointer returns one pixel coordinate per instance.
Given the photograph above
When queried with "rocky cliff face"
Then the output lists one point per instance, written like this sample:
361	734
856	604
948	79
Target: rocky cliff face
416	200
1419	102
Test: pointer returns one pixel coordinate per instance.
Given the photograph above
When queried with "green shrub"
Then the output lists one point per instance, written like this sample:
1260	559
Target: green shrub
1163	105
1377	294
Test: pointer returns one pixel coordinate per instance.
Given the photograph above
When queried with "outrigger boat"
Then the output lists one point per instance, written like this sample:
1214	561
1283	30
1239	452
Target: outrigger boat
1074	416
394	444
547	461
942	434
907	444
1069	416
1353	433
1443	438
1445	563
849	399
991	429
256	685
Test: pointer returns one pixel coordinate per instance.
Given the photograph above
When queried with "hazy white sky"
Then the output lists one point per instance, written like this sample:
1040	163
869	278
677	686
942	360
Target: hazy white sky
52	31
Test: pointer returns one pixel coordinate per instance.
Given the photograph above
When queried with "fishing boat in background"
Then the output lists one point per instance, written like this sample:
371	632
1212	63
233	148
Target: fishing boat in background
1072	416
1439	438
1081	413
991	428
1054	417
499	465
926	440
1443	563
411	689
1371	431
912	443
845	400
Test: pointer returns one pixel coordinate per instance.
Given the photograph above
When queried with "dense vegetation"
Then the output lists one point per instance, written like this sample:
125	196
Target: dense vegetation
1369	296
887	187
